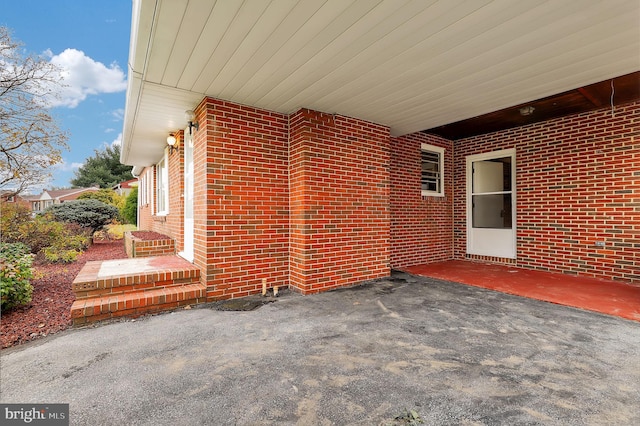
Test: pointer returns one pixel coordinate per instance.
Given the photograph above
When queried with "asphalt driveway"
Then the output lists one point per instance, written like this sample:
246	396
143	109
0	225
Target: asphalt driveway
451	353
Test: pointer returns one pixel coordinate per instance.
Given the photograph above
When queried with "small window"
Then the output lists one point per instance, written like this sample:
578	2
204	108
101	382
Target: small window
432	177
162	186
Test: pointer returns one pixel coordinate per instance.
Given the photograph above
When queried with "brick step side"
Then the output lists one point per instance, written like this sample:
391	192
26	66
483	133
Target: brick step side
86	288
136	303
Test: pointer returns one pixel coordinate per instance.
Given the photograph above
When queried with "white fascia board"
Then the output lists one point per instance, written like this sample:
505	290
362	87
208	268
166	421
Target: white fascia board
142	19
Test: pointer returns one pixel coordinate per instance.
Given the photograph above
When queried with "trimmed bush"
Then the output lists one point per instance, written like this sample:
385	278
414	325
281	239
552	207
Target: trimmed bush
130	209
15	273
107	196
92	214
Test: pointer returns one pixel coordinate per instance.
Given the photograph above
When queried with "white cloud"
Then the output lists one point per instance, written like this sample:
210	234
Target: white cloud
66	167
109	130
83	76
117	141
118	114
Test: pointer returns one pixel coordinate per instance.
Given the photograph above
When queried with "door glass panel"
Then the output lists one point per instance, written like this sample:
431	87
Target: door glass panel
491	211
491	175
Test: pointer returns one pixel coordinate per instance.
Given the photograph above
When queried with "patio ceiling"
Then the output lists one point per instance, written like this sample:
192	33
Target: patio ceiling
410	65
616	91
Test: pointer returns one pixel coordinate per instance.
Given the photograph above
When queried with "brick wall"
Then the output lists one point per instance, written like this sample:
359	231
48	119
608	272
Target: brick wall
242	198
421	226
320	201
135	247
339	172
171	223
578	183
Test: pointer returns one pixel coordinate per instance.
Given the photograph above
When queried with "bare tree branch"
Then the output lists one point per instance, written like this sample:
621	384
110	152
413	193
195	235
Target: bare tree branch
30	141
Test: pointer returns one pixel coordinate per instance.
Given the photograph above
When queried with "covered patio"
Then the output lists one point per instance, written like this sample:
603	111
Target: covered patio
316	144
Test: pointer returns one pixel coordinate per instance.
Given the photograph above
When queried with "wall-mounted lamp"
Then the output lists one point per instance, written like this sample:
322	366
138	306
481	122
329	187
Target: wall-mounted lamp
528	110
191	116
172	141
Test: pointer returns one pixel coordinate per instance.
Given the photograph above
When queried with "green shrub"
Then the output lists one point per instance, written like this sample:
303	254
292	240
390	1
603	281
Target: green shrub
68	246
12	217
43	235
92	214
15	273
55	254
107	196
41	232
130	209
18	226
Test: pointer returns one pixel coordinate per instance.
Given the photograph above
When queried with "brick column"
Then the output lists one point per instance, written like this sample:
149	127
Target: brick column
339	201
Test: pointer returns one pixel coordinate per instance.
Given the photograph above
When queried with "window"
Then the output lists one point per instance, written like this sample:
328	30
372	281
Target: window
162	186
432	178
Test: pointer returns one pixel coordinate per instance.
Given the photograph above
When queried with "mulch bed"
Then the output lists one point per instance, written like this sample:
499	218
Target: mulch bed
149	235
50	307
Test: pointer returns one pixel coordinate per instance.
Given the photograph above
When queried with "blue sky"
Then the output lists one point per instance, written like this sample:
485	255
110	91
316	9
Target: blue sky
89	40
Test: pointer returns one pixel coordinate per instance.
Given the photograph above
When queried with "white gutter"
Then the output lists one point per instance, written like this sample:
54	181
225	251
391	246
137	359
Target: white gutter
139	50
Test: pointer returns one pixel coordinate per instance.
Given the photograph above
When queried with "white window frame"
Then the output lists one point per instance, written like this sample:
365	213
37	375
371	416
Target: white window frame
162	185
142	189
440	151
151	181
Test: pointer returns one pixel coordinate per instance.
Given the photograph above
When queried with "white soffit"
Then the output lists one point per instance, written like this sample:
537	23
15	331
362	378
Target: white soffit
407	64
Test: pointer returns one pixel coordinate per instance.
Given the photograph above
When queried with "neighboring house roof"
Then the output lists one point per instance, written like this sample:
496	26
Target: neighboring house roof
408	65
68	194
8	193
60	194
127	184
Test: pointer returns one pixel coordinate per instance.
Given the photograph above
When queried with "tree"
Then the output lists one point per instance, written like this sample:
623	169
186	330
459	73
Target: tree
103	169
92	214
130	210
30	140
106	195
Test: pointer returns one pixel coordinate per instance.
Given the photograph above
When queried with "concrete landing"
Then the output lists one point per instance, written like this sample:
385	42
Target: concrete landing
607	297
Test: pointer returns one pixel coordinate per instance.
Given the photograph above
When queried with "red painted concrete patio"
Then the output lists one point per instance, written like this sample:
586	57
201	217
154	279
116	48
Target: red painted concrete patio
607	297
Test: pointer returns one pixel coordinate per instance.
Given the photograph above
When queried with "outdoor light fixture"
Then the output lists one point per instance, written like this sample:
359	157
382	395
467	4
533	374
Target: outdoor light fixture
171	141
528	110
191	116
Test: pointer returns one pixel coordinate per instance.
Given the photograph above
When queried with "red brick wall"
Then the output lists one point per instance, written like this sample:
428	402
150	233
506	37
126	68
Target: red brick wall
242	198
339	171
421	226
578	183
171	223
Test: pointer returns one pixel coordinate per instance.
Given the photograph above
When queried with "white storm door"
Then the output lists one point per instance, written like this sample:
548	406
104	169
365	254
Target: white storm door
491	206
188	197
